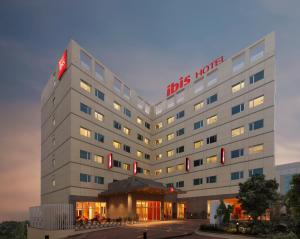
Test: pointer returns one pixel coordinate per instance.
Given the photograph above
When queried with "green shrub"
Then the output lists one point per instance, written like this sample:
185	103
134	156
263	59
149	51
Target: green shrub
290	235
210	227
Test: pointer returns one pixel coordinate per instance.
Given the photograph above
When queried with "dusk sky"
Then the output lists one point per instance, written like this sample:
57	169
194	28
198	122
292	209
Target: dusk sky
148	44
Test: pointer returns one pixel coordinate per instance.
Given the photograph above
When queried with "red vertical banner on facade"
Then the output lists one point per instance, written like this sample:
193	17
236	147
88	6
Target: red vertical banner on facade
187	164
109	160
222	155
62	65
134	168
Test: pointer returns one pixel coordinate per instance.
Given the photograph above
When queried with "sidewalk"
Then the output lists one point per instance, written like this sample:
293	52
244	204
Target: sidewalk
222	235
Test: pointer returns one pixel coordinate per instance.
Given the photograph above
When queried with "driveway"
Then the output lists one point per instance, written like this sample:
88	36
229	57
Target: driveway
155	230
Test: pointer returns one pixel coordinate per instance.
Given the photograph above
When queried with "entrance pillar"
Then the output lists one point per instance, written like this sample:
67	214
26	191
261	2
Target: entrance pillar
129	205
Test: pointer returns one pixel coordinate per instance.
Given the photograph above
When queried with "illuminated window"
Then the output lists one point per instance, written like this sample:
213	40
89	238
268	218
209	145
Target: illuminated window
126	130
126	166
85	132
211	120
170	136
158	141
159	125
159	156
199	106
170	169
157	172
116	106
198	144
146	140
85	86
139	120
139	154
170	120
212	159
116	145
98	159
256	149
146	171
237	87
237	131
170	153
180	167
238	63
256	102
99	116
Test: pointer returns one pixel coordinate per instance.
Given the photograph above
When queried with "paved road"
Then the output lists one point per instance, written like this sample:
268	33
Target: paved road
155	230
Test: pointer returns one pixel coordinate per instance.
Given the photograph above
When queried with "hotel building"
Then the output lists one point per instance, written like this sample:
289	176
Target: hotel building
109	152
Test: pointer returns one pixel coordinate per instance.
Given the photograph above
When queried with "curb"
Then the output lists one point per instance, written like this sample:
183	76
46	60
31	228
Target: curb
222	235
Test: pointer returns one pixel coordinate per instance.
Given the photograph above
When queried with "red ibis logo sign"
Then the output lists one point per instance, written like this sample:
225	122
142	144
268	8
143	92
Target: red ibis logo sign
62	65
199	74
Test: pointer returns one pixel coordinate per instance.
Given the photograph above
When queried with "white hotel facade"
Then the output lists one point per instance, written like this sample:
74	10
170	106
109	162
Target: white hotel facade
201	142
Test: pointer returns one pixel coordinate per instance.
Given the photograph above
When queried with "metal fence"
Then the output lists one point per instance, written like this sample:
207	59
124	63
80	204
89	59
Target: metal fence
52	216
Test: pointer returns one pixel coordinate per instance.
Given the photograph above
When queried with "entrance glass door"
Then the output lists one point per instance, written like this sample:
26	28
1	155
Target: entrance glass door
167	210
180	210
148	210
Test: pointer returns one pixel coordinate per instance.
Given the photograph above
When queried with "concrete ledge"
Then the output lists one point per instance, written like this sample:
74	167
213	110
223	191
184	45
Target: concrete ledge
223	235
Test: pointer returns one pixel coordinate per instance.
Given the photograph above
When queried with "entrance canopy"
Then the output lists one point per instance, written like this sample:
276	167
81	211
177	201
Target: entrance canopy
138	185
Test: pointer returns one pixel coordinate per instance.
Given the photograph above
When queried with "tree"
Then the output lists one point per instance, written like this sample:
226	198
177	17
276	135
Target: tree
256	195
223	213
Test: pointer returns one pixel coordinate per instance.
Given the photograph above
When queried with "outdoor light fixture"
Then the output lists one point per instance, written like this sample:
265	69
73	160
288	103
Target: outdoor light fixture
110	159
222	155
187	164
135	168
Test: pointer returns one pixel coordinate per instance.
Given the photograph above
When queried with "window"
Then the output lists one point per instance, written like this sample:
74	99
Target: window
180	184
198	86
198	144
146	172
237	131
211	179
53	182
159	125
198	124
117	164
140	103
257	77
99	137
212	78
140	137
212	99
139	120
237	153
257	51
237	109
99	94
159	156
139	170
147	108
211	120
256	125
127	112
237	175
116	106
116	145
159	108
170	120
256	149
126	130
238	63
180	114
256	171
139	153
212	159
256	102
180	132
147	156
85	155
117	85
85	109
180	97
53	120
237	87
99	72
170	153
85	132
117	125
197	181
211	139
99	180
126	166
180	149
199	106
170	136
98	159
170	169
158	141
85	86
86	178
198	162
180	167
147	125
169	185
170	102
157	172
126	91
126	148
85	61
99	116
146	140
